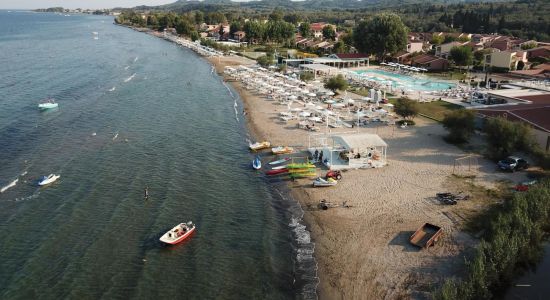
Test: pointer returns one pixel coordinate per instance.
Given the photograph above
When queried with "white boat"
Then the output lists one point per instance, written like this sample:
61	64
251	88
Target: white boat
179	233
48	179
322	182
280	161
282	150
259	145
47	104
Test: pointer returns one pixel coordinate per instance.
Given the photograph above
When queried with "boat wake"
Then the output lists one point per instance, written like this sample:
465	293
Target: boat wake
115	137
126	68
228	89
135	59
112	89
305	265
10	185
235	105
130	78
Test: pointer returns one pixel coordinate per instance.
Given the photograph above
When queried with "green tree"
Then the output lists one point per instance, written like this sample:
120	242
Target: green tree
528	46
152	21
329	33
194	35
234	27
336	83
305	30
460	124
462	56
199	17
339	47
183	27
406	108
276	15
384	34
506	137
254	30
437	40
265	60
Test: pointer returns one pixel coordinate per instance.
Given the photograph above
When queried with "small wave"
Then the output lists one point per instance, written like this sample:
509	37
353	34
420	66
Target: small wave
135	59
228	89
11	184
115	137
126	68
212	70
112	89
236	112
35	195
130	78
24	173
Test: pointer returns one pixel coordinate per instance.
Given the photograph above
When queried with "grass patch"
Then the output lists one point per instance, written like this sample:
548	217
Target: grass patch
437	109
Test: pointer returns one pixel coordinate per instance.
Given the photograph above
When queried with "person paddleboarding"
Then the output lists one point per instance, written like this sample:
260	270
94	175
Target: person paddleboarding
146	193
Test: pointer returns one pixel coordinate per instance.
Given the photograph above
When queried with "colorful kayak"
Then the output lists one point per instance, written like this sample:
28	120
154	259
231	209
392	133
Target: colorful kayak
179	233
257	163
276	172
282	150
300	166
279	167
45	180
308	170
259	145
280	161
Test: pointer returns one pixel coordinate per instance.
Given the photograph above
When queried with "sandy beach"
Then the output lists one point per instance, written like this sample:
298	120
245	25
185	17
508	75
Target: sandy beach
363	251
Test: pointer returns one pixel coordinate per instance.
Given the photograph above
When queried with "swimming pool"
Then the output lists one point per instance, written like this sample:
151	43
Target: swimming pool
405	82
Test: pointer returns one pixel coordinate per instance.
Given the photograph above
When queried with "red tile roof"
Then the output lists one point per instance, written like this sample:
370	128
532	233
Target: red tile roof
352	55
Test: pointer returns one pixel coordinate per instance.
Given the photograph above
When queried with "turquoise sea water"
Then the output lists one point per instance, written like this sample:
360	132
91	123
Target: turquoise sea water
134	111
401	81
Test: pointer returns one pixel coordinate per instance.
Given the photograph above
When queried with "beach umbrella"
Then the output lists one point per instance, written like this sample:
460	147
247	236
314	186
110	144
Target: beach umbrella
349	101
312	94
296	109
310	104
292	97
319	107
304	114
330	93
339	105
330	101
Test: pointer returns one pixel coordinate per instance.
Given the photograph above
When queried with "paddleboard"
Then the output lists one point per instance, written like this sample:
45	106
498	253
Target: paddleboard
280	161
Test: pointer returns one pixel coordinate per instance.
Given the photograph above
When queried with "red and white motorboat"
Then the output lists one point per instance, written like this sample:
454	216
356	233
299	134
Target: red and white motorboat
179	233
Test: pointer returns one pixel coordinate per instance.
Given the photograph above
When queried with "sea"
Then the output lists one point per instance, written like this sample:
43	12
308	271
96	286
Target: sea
134	112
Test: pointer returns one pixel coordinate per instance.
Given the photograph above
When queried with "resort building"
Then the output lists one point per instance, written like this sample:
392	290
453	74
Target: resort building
349	150
413	46
523	105
505	59
317	29
430	62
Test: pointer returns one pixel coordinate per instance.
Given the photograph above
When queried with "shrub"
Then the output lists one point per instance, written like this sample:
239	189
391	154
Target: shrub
460	124
337	82
506	137
306	76
265	60
513	241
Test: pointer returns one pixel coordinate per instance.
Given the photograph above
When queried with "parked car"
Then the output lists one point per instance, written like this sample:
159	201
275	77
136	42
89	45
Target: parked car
513	163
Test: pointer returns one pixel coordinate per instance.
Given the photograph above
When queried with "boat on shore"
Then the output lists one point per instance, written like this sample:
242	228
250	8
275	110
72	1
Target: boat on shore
48	104
45	180
276	172
259	145
178	234
282	150
280	161
320	182
257	163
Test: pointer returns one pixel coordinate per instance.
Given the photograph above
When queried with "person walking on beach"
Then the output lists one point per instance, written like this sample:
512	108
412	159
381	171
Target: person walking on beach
146	193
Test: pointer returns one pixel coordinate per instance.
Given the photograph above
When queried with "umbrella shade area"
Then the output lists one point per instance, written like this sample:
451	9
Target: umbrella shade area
330	101
304	114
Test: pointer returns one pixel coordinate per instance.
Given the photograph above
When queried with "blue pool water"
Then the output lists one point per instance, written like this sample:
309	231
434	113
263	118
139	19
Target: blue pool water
405	82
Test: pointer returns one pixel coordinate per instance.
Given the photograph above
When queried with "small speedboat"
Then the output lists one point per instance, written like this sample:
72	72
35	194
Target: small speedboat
280	161
257	163
259	145
47	104
177	234
48	179
282	150
319	182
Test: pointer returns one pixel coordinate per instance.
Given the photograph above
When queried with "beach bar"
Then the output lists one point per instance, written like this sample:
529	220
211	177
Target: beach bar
349	150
